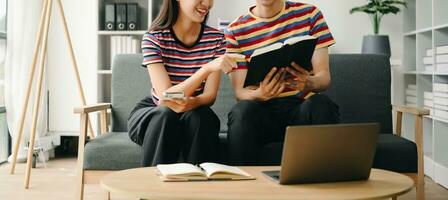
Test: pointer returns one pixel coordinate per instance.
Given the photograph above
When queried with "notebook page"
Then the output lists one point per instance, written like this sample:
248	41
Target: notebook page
213	168
179	169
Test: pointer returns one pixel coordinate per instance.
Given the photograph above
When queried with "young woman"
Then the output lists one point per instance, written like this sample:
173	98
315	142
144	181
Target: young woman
181	54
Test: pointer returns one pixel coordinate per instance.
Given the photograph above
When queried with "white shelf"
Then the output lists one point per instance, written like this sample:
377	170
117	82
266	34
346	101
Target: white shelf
441	26
108	72
138	32
425	26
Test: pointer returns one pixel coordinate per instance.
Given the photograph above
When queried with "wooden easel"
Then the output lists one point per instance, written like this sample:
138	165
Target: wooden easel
41	47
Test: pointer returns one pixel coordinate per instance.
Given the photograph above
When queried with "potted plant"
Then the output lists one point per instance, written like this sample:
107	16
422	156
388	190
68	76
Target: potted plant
376	9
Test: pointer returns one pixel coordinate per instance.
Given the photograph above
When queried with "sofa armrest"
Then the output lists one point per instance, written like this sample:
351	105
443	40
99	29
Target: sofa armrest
92	108
411	110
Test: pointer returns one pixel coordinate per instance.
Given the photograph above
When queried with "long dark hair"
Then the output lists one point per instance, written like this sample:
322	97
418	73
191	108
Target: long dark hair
169	11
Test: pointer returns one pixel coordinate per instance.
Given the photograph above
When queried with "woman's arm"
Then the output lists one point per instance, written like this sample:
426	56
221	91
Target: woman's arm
161	81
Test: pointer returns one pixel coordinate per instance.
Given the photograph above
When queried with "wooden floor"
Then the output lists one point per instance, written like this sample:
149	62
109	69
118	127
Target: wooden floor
57	181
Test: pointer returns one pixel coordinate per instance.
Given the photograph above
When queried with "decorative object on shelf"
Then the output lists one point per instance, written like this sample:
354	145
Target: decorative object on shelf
376	9
40	54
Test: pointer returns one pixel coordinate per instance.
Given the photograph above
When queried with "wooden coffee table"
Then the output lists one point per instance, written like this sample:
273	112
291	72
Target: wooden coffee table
144	183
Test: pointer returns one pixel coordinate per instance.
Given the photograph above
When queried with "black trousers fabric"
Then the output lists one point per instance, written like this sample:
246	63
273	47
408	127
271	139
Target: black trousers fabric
167	136
252	124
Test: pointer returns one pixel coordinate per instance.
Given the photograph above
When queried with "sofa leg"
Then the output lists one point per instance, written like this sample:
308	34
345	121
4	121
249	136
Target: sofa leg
80	162
80	186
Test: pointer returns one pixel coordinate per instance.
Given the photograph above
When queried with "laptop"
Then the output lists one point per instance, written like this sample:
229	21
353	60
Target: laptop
327	153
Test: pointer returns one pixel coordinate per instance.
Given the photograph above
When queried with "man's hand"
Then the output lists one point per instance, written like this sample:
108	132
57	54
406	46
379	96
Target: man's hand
301	79
181	105
272	85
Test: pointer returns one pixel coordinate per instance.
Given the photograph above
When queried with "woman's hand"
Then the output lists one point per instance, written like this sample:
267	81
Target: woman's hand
226	63
301	79
181	105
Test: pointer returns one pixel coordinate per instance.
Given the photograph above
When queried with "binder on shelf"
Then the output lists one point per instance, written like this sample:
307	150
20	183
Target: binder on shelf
135	45
113	48
132	16
129	44
442	49
109	16
121	16
119	45
123	44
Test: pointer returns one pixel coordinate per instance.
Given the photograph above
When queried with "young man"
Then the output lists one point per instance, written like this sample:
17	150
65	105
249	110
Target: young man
263	112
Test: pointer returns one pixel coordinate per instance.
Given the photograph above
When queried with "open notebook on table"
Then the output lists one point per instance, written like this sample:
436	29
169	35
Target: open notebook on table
203	172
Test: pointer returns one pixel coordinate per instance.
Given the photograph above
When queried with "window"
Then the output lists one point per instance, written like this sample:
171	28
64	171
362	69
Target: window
4	147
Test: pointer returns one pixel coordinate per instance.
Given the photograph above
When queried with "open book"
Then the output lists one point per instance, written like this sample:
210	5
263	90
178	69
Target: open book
296	49
203	172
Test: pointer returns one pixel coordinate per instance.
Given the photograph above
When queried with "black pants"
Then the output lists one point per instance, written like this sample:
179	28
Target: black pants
165	134
252	124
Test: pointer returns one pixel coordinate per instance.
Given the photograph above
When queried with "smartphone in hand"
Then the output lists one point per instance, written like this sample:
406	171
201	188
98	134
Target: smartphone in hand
173	95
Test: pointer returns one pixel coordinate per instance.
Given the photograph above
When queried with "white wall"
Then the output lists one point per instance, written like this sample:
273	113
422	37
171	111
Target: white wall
347	29
80	16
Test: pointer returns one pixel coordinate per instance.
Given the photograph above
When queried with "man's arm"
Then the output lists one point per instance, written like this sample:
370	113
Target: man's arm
321	67
317	82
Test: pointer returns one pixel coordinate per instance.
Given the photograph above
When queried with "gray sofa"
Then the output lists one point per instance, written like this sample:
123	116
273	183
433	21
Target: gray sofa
360	86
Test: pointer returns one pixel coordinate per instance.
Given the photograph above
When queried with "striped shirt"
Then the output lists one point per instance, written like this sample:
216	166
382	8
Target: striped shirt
249	32
181	61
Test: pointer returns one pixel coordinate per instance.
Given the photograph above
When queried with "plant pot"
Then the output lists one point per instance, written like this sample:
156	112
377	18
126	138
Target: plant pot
376	44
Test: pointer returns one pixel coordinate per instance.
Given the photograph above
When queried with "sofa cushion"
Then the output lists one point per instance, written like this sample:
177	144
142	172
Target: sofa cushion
392	153
225	100
130	84
396	154
116	151
112	151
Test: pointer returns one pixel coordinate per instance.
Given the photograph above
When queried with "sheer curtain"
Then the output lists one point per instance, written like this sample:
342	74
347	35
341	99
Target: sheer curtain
23	22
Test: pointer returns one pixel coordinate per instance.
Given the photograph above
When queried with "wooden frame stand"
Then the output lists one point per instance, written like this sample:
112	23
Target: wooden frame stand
40	50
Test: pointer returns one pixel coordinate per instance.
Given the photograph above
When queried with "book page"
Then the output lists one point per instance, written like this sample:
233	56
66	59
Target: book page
213	169
179	170
294	40
266	49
